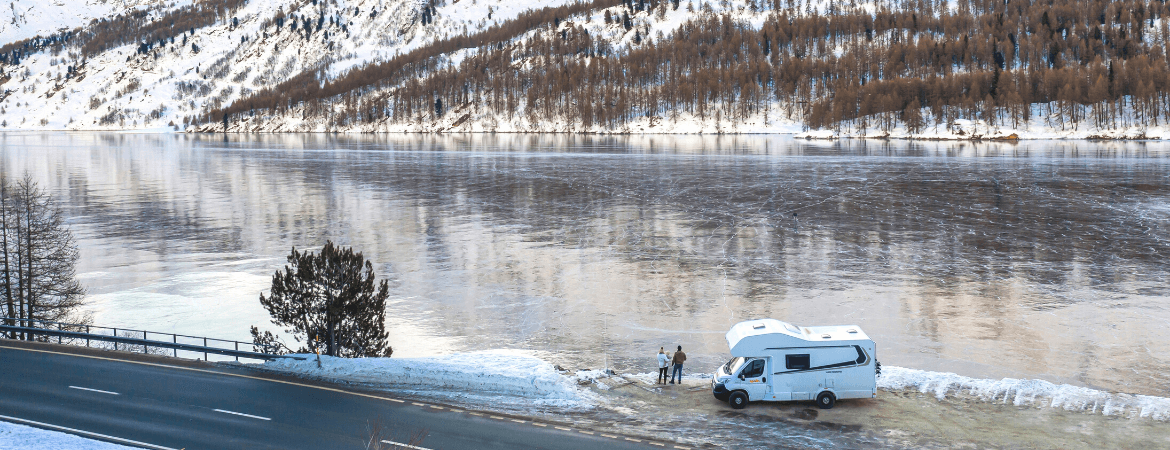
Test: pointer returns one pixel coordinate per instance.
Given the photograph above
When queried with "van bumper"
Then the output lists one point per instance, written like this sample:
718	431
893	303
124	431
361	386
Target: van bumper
720	391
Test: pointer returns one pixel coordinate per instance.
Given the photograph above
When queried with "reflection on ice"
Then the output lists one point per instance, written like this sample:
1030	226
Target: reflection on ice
1043	260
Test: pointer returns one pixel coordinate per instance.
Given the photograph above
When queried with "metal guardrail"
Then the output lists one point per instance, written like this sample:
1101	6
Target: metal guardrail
128	338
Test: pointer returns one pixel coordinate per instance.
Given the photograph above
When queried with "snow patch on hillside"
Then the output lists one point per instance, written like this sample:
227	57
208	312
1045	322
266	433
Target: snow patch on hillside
1026	392
22	437
494	377
23	19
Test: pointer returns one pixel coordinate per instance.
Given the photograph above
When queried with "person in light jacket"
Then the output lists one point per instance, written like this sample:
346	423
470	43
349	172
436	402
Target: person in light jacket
678	360
663	363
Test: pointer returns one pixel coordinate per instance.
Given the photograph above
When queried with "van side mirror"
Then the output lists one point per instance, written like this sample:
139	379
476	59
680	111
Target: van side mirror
741	378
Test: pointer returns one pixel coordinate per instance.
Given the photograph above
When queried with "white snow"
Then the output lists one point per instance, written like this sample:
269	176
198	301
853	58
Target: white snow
508	376
23	19
21	437
1026	392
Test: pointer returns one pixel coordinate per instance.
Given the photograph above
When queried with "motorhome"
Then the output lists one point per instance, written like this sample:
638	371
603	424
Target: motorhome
777	361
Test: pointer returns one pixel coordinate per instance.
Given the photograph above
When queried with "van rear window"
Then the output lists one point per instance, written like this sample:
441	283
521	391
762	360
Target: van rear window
796	362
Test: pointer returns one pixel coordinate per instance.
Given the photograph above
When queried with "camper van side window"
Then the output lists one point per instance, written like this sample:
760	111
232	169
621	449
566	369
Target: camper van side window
755	369
796	362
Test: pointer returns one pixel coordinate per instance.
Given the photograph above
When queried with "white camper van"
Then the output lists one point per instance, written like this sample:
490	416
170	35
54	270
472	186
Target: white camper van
777	361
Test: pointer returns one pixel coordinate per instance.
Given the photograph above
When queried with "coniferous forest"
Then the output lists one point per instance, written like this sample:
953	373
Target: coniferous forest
915	62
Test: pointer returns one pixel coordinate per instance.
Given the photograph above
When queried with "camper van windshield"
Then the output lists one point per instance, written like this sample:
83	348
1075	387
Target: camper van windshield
732	365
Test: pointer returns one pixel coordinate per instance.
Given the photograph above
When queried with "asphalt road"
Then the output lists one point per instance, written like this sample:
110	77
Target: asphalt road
205	408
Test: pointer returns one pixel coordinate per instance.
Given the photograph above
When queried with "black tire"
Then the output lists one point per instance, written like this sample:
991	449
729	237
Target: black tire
738	400
826	400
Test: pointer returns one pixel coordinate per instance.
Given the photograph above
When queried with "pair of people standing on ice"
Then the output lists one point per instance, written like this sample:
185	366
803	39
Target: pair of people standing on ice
664	363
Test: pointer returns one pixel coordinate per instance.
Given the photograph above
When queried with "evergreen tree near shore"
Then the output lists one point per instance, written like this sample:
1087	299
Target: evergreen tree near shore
331	303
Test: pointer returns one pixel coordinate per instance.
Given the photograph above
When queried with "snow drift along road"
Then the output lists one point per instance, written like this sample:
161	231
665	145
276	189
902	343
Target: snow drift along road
497	375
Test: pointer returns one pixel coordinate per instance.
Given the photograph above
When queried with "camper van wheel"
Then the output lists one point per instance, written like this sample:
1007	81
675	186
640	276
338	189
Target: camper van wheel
738	400
826	400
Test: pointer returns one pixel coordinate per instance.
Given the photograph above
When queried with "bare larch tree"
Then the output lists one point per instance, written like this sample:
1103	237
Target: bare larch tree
38	258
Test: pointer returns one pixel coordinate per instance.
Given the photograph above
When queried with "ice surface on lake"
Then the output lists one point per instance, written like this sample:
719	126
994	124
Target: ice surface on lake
1032	260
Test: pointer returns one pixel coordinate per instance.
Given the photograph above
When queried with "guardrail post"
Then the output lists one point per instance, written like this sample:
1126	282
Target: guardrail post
175	339
144	347
115	342
205	346
87	338
237	349
59	338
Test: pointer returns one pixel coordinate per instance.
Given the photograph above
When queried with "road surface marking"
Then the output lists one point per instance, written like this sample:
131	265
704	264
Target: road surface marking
518	421
86	433
418	404
682	448
455	410
539	424
241	414
401	445
436	407
497	417
658	444
608	436
94	390
633	440
227	374
212	372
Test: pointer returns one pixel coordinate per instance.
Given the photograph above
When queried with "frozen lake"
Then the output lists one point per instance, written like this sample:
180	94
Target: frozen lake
1039	259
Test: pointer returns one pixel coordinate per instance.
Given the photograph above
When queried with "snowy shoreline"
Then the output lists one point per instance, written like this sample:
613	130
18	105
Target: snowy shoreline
516	379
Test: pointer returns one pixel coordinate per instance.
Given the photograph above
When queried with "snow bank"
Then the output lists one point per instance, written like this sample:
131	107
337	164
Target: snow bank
493	376
14	437
1026	392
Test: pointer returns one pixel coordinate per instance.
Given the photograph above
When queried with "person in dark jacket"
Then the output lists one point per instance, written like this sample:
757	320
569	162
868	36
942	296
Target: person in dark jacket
678	360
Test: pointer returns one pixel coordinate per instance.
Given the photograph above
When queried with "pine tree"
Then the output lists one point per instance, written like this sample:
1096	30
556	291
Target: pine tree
330	300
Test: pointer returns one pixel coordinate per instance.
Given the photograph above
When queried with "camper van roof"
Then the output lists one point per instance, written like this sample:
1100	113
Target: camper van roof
751	336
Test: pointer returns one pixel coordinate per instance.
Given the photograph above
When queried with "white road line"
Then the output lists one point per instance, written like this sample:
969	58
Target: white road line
539	424
608	436
658	444
563	428
401	445
517	421
210	372
241	414
94	390
86	433
633	440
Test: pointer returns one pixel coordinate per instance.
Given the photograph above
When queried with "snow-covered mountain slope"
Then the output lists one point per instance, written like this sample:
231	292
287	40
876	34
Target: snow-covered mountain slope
23	19
258	46
195	62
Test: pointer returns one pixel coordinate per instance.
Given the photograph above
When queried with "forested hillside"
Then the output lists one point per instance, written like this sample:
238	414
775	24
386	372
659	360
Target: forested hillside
926	68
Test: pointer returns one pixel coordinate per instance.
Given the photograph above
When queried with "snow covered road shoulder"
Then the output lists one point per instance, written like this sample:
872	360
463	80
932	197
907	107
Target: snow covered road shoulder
22	437
488	377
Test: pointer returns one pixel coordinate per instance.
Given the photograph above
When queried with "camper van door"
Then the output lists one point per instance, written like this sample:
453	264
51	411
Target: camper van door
751	378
